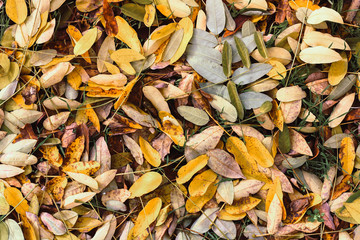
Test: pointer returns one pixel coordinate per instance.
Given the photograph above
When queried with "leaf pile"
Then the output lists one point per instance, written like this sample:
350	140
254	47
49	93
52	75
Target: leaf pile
176	119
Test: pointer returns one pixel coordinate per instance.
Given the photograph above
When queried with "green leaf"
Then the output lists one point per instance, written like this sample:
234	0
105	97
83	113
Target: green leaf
260	44
195	115
4	231
235	100
343	87
243	52
284	140
248	29
266	107
134	11
144	2
227	59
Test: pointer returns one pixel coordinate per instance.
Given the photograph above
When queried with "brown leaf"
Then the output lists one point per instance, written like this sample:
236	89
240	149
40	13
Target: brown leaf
111	26
224	164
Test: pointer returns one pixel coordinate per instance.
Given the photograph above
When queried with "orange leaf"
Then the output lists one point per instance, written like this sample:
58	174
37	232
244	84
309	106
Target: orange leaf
111	26
93	117
74	151
52	154
347	155
15	198
56	187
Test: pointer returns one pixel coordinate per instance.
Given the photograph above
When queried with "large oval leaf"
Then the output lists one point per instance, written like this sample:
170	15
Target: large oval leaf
224	164
215	14
319	55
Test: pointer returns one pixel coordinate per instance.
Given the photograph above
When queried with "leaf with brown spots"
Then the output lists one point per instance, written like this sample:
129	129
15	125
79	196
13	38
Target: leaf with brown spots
56	187
74	151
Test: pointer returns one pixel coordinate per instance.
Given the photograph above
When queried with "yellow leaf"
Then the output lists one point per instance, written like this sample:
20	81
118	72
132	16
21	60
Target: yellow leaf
145	184
74	151
164	7
151	155
303	3
125	94
146	216
76	77
16	10
85	42
319	55
172	128
188	27
86	224
128	35
243	205
81	117
278	71
93	117
201	183
52	154
15	198
347	155
275	190
247	162
75	36
164	31
150	13
126	55
186	172
56	187
88	168
338	70
258	151
28	229
353	208
223	215
195	204
277	116
4	205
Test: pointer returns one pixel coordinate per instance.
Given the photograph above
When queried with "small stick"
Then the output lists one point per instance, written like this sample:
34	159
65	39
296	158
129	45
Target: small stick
352	11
